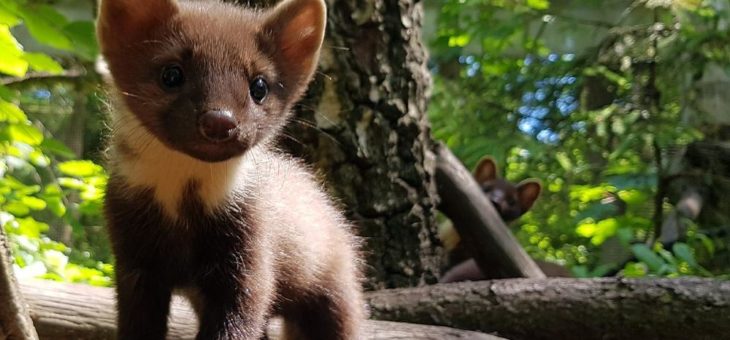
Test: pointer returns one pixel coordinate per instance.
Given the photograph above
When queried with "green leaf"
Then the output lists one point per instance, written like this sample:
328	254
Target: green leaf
33	203
538	4
684	253
38	158
7	16
17	208
459	40
11	54
46	25
71	183
11	113
56	147
83	36
646	255
56	206
27	134
634	270
564	161
42	63
30	227
79	168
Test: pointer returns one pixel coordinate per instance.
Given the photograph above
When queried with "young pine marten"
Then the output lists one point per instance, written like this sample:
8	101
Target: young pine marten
198	201
511	201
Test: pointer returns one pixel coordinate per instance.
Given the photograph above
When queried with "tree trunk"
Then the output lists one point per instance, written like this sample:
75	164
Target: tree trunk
363	125
15	322
79	312
686	308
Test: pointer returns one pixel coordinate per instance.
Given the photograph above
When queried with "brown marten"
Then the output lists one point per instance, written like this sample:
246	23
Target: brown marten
198	201
511	201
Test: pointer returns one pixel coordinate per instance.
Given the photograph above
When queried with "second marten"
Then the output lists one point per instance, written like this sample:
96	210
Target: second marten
511	201
198	201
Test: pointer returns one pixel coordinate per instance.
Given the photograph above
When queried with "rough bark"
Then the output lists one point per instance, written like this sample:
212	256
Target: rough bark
685	308
15	322
78	312
488	239
363	125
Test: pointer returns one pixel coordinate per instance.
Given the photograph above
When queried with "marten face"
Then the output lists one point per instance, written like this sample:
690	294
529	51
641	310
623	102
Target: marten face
207	80
511	201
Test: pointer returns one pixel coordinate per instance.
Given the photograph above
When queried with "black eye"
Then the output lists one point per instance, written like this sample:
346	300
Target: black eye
258	89
172	76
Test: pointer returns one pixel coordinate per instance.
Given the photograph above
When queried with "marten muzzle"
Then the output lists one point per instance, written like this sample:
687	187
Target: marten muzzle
218	125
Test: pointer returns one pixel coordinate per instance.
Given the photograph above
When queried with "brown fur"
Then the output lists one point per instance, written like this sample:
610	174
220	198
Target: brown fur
510	200
239	228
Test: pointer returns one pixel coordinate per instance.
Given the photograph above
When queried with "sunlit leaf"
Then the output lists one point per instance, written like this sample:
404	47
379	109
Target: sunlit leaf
42	63
56	206
459	40
11	54
634	270
81	168
11	113
30	227
55	260
33	203
538	4
71	183
38	158
17	208
27	134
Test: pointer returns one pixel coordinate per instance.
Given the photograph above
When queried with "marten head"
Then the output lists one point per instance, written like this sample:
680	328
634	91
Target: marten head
510	200
207	79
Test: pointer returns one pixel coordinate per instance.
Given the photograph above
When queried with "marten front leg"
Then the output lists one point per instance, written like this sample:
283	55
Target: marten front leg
143	305
234	307
331	309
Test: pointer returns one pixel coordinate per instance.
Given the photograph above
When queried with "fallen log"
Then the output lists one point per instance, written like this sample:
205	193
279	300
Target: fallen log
488	239
78	312
608	308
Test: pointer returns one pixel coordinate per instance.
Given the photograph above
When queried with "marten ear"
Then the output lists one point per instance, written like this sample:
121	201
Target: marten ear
528	191
123	21
293	32
486	170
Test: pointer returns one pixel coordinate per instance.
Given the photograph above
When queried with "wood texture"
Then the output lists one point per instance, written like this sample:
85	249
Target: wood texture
79	312
687	308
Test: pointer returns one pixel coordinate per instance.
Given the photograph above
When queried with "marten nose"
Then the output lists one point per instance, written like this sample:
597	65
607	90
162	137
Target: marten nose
217	125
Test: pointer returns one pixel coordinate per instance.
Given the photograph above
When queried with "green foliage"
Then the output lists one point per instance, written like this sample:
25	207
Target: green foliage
45	192
587	98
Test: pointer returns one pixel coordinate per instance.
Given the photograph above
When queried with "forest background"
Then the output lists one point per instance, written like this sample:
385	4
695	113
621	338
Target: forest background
618	107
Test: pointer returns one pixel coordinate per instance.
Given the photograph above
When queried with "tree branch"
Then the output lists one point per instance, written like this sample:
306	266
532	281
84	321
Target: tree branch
68	75
609	308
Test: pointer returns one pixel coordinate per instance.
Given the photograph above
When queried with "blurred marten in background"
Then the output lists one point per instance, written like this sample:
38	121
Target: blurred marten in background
511	201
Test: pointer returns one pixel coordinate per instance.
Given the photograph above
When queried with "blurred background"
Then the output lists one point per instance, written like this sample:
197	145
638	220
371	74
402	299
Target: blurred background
618	107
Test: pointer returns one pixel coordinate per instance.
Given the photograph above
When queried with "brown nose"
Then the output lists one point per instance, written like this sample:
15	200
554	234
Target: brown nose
217	125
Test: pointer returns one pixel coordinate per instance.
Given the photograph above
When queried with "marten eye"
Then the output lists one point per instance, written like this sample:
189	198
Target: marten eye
258	89
172	76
